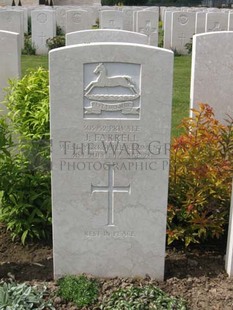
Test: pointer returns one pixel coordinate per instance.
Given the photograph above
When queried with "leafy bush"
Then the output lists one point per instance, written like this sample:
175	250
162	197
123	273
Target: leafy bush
80	290
59	31
29	48
25	163
200	178
55	42
161	34
140	298
189	46
23	297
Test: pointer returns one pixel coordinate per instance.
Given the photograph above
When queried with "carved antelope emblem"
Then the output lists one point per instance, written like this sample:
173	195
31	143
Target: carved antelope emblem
103	80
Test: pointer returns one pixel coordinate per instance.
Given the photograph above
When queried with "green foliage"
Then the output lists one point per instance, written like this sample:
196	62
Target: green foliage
161	34
142	298
25	163
29	48
80	290
15	296
189	46
200	178
97	24
59	31
58	41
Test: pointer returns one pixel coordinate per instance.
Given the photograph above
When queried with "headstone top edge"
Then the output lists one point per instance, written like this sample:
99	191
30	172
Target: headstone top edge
107	30
212	33
109	44
9	32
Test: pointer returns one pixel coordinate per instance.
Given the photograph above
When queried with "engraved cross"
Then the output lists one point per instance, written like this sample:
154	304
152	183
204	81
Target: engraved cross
42	37
110	189
148	29
182	39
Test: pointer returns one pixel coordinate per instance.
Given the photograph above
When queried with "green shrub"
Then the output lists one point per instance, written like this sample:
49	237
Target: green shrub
189	46
161	34
59	31
25	163
15	296
29	48
200	178
55	42
141	298
80	290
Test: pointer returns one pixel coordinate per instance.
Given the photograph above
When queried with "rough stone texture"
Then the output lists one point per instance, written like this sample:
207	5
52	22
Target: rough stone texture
43	28
183	29
229	254
105	35
211	78
10	61
110	158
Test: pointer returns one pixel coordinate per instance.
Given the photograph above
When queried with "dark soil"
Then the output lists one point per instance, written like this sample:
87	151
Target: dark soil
197	275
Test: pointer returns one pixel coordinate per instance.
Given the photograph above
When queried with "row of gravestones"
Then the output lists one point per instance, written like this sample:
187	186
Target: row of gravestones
110	106
179	26
44	22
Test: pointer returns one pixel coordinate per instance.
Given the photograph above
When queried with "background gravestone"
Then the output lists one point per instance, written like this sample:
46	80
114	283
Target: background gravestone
78	20
211	77
110	127
183	28
43	28
111	19
13	21
10	61
105	35
200	22
147	23
216	22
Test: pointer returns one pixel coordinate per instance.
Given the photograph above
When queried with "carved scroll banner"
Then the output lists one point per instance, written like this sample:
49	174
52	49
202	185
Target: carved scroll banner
125	107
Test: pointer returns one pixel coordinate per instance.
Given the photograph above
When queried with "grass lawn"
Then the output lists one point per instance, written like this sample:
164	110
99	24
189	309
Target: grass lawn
181	84
33	62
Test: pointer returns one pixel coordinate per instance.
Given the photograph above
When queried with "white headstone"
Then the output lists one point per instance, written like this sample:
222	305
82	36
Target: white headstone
128	19
43	28
230	22
229	253
61	18
200	22
77	20
147	23
13	21
111	19
216	22
105	35
110	127
211	78
10	60
167	29
183	29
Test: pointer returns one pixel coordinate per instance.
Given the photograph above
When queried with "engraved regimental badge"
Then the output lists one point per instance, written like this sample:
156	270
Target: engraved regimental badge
112	91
